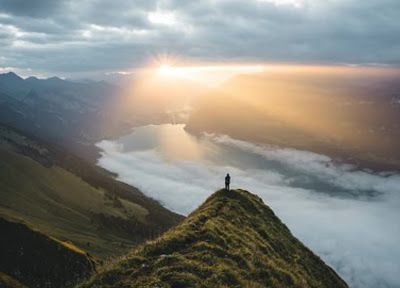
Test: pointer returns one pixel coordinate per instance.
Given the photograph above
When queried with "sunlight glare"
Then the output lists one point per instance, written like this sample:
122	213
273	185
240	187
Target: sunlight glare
166	70
207	73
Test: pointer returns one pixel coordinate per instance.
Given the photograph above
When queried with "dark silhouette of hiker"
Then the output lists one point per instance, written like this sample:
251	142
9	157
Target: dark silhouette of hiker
227	181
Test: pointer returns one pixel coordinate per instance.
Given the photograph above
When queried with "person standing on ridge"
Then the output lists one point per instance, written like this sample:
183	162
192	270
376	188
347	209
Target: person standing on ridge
227	181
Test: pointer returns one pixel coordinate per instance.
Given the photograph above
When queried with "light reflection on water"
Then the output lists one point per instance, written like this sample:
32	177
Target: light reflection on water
170	141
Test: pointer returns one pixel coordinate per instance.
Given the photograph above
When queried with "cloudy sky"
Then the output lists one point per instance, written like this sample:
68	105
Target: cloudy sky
86	37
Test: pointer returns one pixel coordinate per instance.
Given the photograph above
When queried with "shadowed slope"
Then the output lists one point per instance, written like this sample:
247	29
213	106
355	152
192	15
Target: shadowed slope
232	240
37	260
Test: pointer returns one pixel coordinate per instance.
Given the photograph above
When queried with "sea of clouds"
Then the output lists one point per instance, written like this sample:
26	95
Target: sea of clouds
349	217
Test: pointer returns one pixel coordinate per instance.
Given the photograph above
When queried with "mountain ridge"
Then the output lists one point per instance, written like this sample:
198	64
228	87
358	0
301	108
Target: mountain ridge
74	115
67	198
232	240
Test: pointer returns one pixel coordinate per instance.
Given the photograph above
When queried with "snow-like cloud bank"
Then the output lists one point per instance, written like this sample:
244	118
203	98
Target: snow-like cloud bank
349	217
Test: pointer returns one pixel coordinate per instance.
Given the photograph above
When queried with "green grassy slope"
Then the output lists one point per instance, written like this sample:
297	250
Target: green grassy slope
29	258
71	200
60	204
232	240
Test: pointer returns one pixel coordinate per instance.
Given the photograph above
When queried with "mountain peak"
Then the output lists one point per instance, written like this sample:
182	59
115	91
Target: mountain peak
32	78
232	240
11	76
55	78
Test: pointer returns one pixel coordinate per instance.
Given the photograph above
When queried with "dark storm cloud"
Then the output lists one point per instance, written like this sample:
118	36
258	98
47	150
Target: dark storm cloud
98	35
31	8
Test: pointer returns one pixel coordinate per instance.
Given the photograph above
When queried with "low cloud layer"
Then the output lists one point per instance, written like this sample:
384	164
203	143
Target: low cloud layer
348	217
97	36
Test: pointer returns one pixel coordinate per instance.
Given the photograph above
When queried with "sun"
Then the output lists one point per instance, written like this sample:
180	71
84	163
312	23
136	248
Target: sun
207	74
166	70
170	71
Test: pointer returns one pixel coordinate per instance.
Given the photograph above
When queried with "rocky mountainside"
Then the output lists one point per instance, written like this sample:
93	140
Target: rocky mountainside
232	240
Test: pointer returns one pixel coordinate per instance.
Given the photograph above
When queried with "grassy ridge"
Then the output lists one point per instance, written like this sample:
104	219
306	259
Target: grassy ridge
232	240
62	205
71	200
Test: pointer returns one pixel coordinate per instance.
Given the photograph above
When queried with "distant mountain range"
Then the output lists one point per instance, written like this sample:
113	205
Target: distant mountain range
72	114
